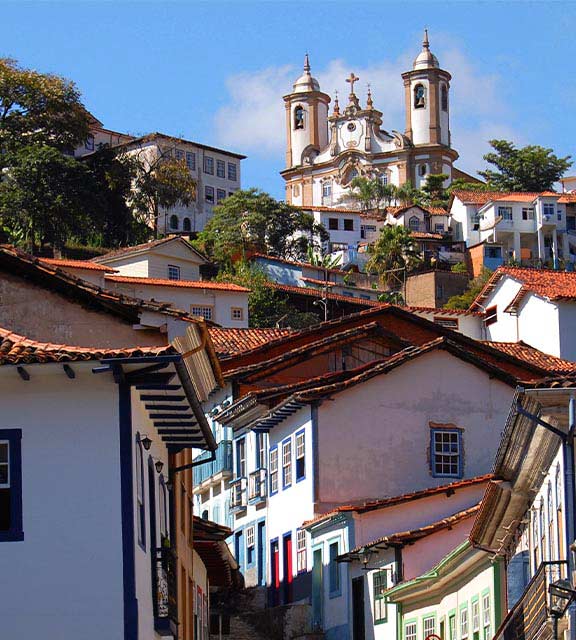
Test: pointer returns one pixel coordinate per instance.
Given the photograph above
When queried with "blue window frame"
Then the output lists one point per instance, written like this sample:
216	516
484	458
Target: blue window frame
260	450
446	453
334	570
11	485
140	493
273	470
300	455
241	458
286	463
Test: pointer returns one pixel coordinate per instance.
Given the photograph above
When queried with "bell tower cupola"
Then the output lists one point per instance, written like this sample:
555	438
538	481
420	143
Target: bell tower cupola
306	117
427	89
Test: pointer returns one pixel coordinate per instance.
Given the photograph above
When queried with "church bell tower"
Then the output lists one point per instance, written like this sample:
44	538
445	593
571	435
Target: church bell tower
306	117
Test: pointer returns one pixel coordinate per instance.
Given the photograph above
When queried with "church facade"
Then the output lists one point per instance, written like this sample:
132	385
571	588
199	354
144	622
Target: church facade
326	151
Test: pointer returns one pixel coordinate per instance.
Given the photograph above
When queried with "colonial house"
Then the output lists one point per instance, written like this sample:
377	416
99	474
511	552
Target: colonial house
86	447
535	306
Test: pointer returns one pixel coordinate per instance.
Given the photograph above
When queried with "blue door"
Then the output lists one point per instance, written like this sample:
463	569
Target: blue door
239	548
317	589
261	550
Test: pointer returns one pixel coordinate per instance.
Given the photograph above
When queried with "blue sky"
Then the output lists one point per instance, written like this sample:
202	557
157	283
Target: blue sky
215	72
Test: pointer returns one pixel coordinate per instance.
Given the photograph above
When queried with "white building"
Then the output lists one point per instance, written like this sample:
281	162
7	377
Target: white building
85	497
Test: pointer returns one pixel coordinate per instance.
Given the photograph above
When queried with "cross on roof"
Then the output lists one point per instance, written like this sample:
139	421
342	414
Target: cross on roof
352	79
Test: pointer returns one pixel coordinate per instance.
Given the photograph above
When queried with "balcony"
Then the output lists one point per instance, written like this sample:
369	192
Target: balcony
222	464
529	618
257	486
164	592
238	495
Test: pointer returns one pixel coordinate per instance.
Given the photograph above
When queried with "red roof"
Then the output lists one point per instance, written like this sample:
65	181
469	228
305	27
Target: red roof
330	209
527	353
228	342
424	235
77	264
17	349
383	503
317	293
183	284
483	197
554	285
443	312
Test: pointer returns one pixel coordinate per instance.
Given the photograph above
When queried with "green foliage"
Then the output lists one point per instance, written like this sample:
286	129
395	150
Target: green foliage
39	109
530	168
407	195
393	252
326	261
371	193
459	267
392	297
266	307
461	184
467	298
434	193
251	220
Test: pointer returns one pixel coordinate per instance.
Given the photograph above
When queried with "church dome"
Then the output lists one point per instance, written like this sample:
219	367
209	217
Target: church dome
306	82
426	59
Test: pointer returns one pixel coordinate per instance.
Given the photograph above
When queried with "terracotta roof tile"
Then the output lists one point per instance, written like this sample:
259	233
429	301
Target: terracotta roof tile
77	264
543	360
329	209
17	349
443	312
483	197
228	342
183	284
425	235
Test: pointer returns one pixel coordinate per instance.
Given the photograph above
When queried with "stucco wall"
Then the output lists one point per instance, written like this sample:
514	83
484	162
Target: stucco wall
374	438
505	328
42	315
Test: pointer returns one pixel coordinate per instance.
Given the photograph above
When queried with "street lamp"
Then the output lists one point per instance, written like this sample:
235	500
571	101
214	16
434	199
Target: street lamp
561	595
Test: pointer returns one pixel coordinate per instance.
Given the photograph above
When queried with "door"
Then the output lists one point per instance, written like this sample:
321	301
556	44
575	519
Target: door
358	608
274	574
317	589
239	549
288	578
261	553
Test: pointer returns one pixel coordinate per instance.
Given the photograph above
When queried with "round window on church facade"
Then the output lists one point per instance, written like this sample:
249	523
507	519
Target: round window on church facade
351	126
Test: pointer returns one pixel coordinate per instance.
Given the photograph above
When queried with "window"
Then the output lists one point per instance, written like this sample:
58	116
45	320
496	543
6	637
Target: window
445	453
286	463
191	160
339	246
209	194
10	485
491	315
444	98
464	623
296	190
163	507
273	471
299	118
209	165
410	630
384	179
260	451
414	223
527	213
367	229
220	195
232	172
486	616
174	222
452	627
300	456
334	569
348	224
250	545
449	323
301	550
535	546
220	168
548	209
173	272
419	97
241	458
237	313
492	252
475	616
201	310
439	227
179	154
428	627
505	213
333	224
140	492
379	587
422	169
326	189
186	226
89	144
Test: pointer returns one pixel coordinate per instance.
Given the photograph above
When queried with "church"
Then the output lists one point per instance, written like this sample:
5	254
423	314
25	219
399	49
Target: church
326	151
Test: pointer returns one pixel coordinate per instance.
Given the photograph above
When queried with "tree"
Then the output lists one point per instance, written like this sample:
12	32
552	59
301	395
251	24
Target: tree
371	193
531	168
39	109
434	193
47	197
467	298
463	185
393	253
325	261
251	220
407	195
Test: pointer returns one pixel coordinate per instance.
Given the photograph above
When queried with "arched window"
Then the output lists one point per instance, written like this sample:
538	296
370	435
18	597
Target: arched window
205	514
414	223
444	97
422	169
299	117
419	96
174	222
140	492
186	224
163	507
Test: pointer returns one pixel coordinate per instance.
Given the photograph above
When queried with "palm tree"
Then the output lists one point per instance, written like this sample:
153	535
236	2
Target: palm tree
407	194
371	193
393	254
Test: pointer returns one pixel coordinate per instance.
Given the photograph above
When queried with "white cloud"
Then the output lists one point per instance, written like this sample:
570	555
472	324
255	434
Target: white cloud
253	121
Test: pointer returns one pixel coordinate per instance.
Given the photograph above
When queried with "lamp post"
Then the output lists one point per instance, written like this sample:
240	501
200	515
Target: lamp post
561	595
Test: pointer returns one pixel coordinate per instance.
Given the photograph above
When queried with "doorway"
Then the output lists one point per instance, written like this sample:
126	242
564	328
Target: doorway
317	589
358	608
288	578
261	552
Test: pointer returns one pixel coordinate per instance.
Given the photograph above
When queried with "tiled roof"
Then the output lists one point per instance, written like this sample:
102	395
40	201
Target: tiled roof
483	197
329	209
152	137
316	293
77	264
144	247
567	198
555	285
17	349
183	284
545	361
228	342
322	283
412	535
433	211
373	505
424	235
443	312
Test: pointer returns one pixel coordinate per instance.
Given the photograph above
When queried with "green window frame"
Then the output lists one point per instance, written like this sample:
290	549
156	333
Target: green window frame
428	625
413	626
452	631
379	584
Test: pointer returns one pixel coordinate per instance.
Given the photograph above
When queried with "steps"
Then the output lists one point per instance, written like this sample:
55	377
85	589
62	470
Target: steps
240	630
